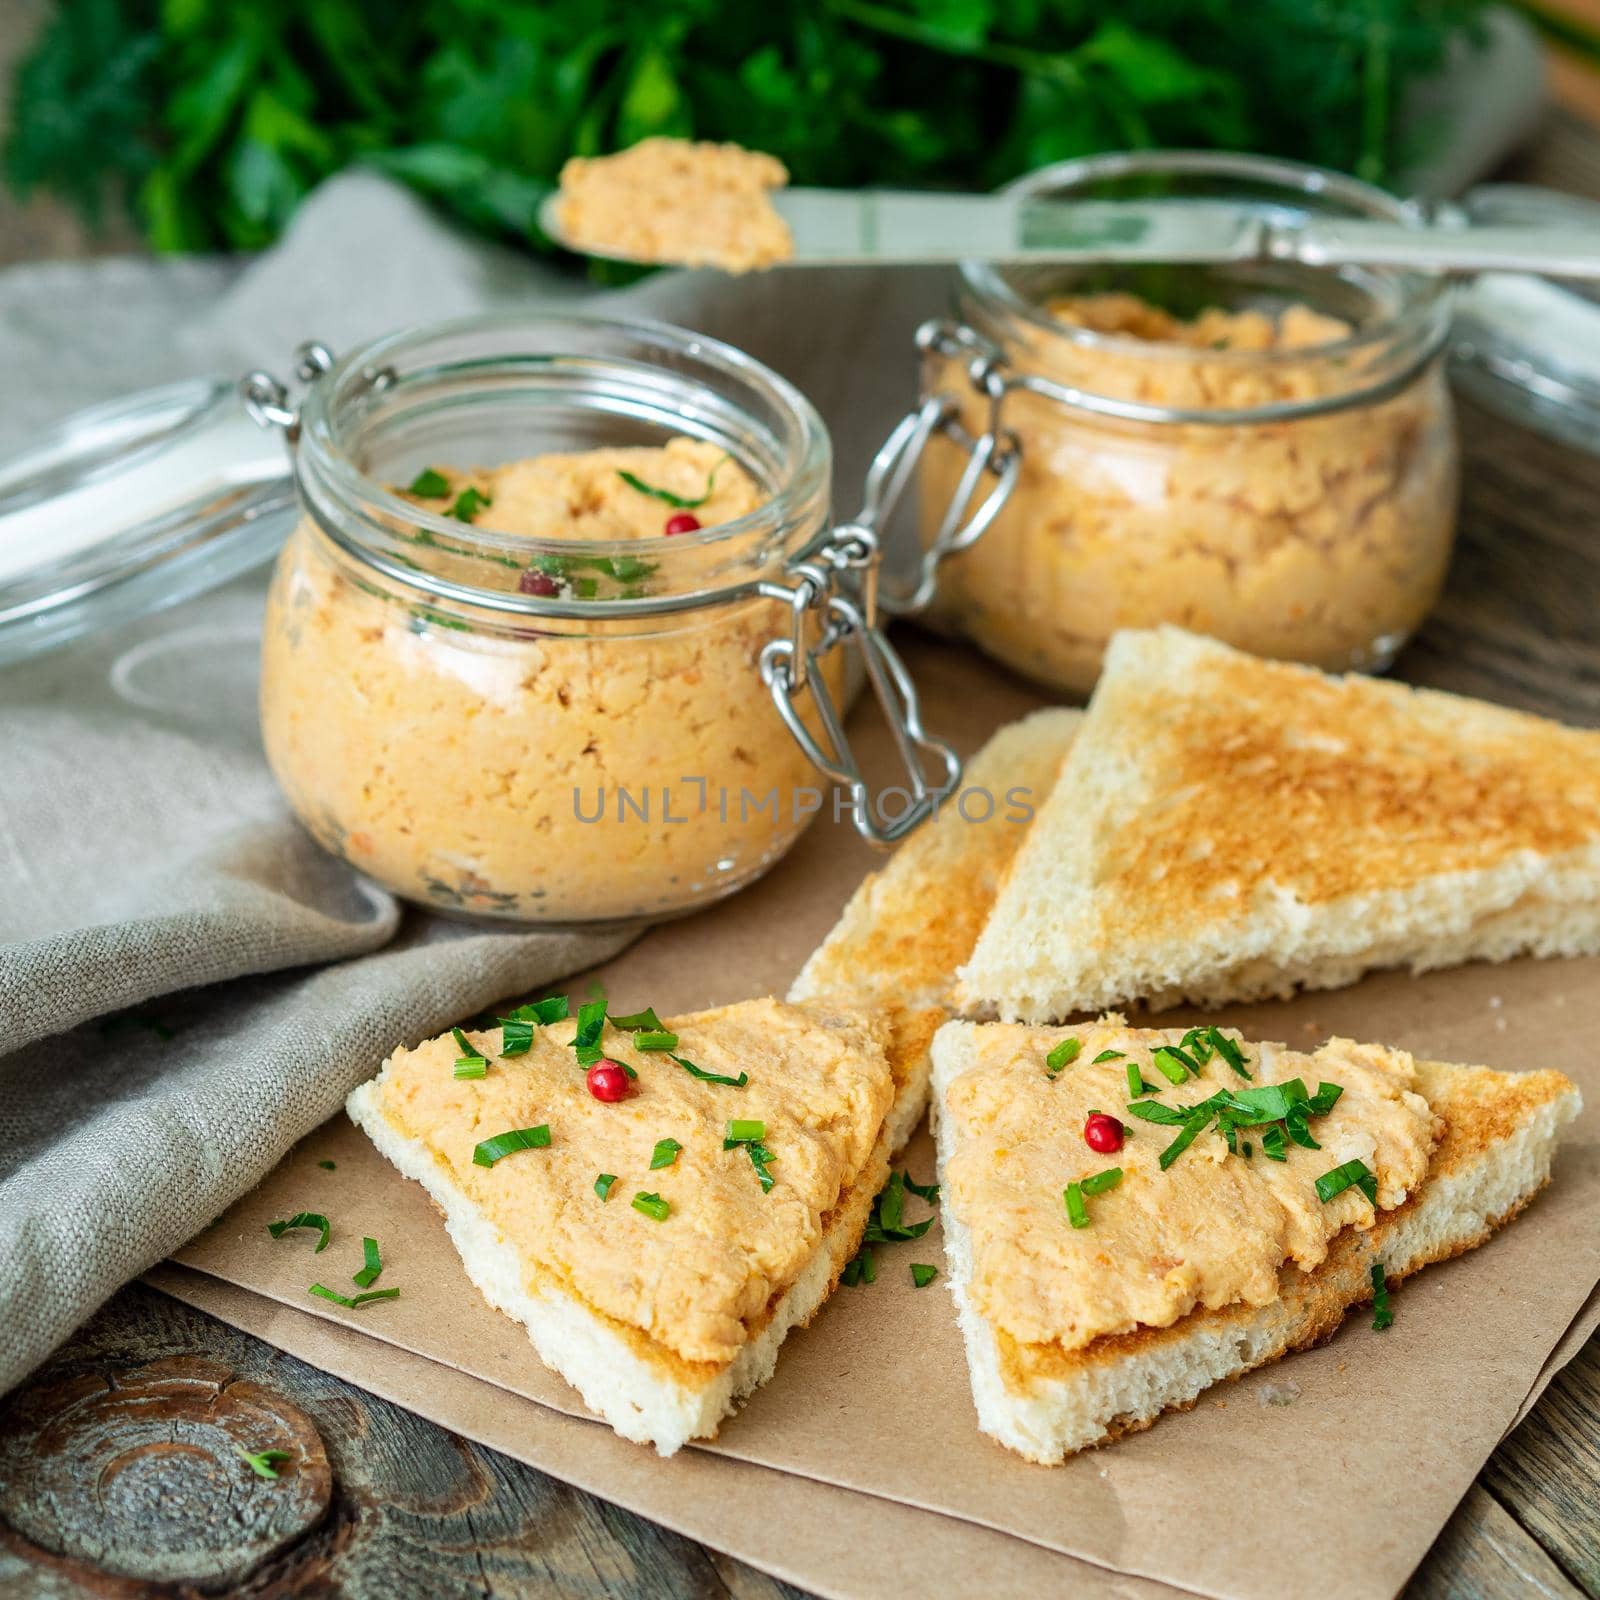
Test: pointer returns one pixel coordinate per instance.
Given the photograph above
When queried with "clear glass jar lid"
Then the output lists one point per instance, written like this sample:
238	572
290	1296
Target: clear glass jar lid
1528	348
134	505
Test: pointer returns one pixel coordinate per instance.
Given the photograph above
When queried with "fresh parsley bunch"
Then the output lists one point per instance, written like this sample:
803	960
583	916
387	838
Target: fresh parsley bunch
215	117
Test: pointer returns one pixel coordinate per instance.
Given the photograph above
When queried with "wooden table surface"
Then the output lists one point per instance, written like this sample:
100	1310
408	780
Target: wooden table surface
403	1507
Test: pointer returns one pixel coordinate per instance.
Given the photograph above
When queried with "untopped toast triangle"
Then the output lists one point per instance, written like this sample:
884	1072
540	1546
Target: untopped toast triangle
1227	828
1184	1269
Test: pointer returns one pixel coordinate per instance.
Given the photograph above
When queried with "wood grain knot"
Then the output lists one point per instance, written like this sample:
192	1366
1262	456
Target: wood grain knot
139	1472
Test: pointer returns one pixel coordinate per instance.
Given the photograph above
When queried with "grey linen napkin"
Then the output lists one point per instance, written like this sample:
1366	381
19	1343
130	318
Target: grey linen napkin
146	859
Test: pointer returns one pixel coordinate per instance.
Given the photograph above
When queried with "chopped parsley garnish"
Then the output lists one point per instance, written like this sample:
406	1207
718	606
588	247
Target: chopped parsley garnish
1076	1195
750	1134
1382	1316
677	501
304	1219
470	1063
489	1151
922	1274
328	1166
517	1028
1194	1125
1170	1064
1108	1055
602	1184
887	1222
863	1268
591	1024
710	1077
1348	1175
1282	1110
1272	1144
370	1273
638	1019
652	1205
1154	1111
468	504
665	1153
1228	1050
1063	1055
430	485
261	1462
351	1301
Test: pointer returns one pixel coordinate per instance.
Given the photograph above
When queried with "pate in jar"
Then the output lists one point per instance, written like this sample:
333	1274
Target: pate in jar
554	639
1262	452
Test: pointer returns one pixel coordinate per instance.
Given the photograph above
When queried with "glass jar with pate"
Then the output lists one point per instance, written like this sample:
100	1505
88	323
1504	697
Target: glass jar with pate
564	631
1263	452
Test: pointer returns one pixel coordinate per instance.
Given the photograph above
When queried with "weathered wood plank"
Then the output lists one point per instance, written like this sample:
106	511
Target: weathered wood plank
408	1509
1484	1553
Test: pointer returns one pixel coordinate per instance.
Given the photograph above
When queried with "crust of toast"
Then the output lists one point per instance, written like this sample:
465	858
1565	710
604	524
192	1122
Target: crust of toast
1229	828
905	930
1500	1131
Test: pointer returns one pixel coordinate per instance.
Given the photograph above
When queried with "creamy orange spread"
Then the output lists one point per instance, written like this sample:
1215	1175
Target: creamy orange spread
502	768
1321	539
699	1282
1215	1228
679	202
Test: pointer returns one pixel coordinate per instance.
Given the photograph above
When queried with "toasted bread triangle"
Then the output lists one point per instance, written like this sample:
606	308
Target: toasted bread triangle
1499	1132
1228	828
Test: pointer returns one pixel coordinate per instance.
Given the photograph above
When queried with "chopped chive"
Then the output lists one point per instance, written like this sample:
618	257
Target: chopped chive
1077	1211
1193	1126
652	1205
1136	1084
922	1274
1382	1316
470	1063
352	1301
429	484
710	1077
655	1039
369	1274
304	1219
489	1151
1348	1175
1063	1055
602	1184
1169	1064
740	1131
328	1166
261	1462
666	1152
1101	1181
468	504
677	501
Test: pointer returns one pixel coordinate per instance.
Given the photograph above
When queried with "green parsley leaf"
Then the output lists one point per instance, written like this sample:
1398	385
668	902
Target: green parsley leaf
1154	1111
1108	1055
652	1205
261	1462
1228	1050
1063	1055
923	1191
468	504
636	1020
922	1274
710	1077
304	1219
591	1025
489	1151
1348	1175
750	1133
351	1302
328	1166
370	1273
1272	1145
1382	1316
1194	1125
516	1037
887	1222
602	1184
666	1152
429	485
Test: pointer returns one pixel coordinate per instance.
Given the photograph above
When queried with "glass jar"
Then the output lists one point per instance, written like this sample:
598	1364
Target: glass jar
642	737
1290	489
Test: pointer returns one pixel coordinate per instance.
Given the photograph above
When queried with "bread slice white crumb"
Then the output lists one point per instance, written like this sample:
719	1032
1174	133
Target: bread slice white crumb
646	1391
1228	828
907	928
1499	1136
